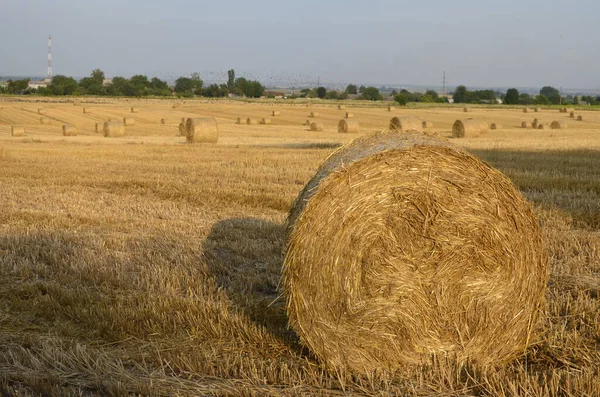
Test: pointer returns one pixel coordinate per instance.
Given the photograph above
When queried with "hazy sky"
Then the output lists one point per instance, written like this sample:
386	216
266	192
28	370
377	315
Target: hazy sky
478	43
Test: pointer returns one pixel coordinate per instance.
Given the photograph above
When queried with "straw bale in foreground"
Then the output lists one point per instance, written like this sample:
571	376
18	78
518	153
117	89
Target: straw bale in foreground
201	130
469	128
113	129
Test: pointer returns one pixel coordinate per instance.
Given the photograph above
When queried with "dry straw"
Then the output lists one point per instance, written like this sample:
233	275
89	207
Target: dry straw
76	103
201	130
182	129
250	121
495	126
537	110
87	110
466	110
176	105
163	121
341	107
349	115
134	110
391	108
572	115
313	114
276	113
41	111
128	121
113	129
348	126
535	123
241	120
404	123
540	127
526	124
469	128
316	126
558	125
427	124
44	120
265	121
569	110
402	247
17	131
307	122
69	130
579	118
99	128
525	110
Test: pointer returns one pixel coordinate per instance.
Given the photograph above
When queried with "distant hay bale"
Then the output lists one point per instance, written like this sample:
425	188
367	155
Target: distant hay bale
427	124
313	114
558	125
341	107
135	110
76	103
276	113
182	129
183	120
69	130
579	118
526	124
99	128
44	120
41	111
349	115
17	131
537	110
128	121
176	105
469	128
572	115
307	122
391	108
201	130
163	121
113	129
405	123
495	126
348	126
535	123
87	110
316	126
540	126
265	121
569	110
250	121
466	110
451	260
241	120
525	110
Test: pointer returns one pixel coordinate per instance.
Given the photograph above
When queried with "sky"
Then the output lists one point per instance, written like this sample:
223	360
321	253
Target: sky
526	43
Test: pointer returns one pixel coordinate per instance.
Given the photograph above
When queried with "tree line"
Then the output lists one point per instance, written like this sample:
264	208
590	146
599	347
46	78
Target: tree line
138	86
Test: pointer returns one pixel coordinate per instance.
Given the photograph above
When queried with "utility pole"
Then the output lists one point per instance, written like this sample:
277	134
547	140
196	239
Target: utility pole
444	84
49	71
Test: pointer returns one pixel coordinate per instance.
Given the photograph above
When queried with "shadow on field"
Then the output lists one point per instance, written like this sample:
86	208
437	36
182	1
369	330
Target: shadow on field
245	256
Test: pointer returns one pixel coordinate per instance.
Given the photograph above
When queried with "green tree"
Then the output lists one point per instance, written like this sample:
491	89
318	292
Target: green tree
433	94
240	86
541	100
526	99
140	81
460	94
321	92
371	94
197	83
512	96
17	86
184	84
549	91
576	100
401	99
63	85
158	84
352	89
332	94
231	80
98	76
361	89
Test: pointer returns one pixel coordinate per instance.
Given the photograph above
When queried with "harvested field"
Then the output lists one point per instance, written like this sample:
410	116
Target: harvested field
141	265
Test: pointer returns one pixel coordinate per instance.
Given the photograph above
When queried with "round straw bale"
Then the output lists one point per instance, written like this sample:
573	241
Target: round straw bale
201	130
183	120
525	110
402	246
87	110
313	114
537	110
113	129
17	131
579	118
182	129
163	121
391	108
76	103
535	123
526	124
341	107
316	126
562	110
69	130
558	125
176	105
44	120
134	110
495	126
569	110
466	110
265	121
41	111
241	120
540	126
572	115
307	122
128	121
469	128
276	113
349	115
99	128
405	123
427	124
348	126
250	121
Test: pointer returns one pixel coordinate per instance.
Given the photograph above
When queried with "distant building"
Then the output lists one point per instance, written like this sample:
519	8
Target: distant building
38	84
106	82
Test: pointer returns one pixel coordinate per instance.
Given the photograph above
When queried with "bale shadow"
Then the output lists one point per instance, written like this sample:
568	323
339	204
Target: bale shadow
245	256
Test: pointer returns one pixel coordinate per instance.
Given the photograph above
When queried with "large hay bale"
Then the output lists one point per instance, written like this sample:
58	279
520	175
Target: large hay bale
391	108
572	115
251	121
579	118
466	110
201	130
182	129
525	110
526	124
17	131
69	130
495	126
558	125
402	246
41	111
427	124
349	115
313	114
469	128
348	126
99	128
540	126
44	120
317	126
341	107
135	110
405	123
113	129
276	113
128	121
537	110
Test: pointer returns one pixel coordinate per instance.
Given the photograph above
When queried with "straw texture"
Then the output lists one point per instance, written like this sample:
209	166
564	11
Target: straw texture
17	131
405	123
317	126
69	130
348	126
201	130
113	129
402	246
469	128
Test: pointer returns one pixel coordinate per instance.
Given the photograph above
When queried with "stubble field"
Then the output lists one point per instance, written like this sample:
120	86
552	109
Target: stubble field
144	265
